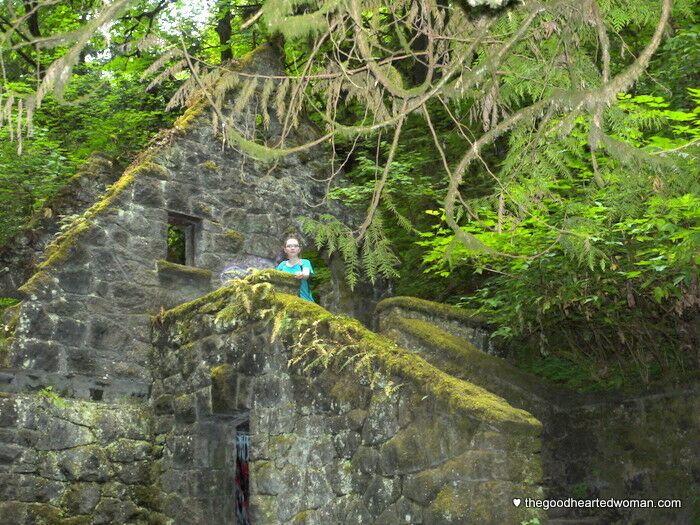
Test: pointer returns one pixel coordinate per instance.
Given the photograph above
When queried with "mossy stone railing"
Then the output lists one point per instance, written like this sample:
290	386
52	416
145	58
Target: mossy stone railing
171	269
460	396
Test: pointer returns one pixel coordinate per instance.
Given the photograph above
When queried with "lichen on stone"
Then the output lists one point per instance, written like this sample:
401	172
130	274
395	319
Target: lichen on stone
59	249
167	266
430	308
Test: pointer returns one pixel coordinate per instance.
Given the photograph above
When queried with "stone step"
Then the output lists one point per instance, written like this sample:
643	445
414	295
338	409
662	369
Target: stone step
460	358
456	321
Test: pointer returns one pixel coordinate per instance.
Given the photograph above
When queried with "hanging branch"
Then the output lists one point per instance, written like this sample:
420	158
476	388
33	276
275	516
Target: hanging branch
573	102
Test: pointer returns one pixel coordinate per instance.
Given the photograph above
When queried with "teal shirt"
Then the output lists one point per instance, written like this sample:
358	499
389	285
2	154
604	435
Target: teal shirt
304	289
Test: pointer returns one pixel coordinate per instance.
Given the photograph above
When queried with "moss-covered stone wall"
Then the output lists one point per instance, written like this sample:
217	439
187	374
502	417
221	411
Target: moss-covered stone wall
19	257
68	462
641	446
329	446
86	308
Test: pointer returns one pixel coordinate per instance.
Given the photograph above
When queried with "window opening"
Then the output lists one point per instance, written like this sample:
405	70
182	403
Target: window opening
182	231
242	477
96	394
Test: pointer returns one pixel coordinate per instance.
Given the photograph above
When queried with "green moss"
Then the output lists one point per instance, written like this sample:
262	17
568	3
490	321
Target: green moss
7	331
209	303
302	517
348	334
222	388
218	299
7	302
185	121
462	359
450	504
148	496
167	266
460	395
44	514
283	440
347	389
236	239
433	309
211	165
234	235
60	248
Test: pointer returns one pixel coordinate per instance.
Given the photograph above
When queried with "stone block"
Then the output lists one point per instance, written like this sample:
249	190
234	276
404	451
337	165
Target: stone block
382	420
313	450
183	449
86	463
380	493
12	512
137	472
339	475
203	403
231	390
69	332
128	450
148	192
8	413
82	360
110	510
33	353
59	434
47	466
403	511
81	498
29	488
346	443
184	407
76	281
268	480
356	513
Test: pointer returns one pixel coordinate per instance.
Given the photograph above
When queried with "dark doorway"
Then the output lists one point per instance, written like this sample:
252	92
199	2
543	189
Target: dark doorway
242	477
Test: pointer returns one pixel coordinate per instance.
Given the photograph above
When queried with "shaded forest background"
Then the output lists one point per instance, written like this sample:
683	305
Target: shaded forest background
591	271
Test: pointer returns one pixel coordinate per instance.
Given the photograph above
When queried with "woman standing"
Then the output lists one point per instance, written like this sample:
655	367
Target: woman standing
301	268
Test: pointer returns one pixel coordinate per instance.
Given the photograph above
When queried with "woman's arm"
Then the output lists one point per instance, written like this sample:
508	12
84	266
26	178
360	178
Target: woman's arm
306	269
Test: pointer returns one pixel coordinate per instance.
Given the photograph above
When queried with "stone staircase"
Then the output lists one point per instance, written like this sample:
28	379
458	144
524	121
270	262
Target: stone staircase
458	343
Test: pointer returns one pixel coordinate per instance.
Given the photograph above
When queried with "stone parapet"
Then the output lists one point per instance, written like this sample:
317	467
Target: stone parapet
400	442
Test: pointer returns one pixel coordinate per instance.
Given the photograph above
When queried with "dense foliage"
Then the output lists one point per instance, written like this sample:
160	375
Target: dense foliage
537	162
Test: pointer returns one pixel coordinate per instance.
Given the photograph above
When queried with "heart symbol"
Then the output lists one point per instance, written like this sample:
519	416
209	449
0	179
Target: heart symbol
516	502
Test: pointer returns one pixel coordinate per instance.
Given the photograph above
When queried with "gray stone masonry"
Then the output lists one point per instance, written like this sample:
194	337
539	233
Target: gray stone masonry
641	446
326	448
86	310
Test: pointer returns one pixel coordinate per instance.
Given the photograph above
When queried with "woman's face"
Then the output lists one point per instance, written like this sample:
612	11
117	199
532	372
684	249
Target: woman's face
291	247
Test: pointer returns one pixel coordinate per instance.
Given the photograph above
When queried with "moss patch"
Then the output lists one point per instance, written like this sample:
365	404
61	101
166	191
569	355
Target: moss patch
222	389
450	504
184	121
164	266
236	239
462	357
432	309
60	248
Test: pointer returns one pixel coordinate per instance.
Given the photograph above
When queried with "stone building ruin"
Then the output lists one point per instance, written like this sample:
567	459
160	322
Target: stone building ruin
135	388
